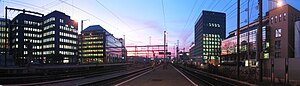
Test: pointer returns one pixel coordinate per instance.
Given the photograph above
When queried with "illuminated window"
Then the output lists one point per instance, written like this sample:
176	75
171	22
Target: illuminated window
61	20
272	20
278	33
280	17
284	16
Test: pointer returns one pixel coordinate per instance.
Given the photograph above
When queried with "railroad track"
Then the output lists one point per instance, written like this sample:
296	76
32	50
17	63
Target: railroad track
118	79
61	76
206	79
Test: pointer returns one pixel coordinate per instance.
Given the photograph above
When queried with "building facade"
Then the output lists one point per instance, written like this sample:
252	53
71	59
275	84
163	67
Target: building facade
50	39
60	38
278	31
99	46
282	27
247	39
26	38
210	29
3	33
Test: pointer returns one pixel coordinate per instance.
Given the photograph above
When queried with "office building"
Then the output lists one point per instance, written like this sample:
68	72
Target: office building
209	31
26	38
60	38
3	33
99	46
38	39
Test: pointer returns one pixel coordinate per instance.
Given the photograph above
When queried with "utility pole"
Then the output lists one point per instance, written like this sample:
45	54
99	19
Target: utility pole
177	47
5	40
81	41
165	45
259	41
125	50
238	39
148	47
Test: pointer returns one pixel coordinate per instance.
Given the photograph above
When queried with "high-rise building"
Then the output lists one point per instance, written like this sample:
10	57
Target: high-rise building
50	39
210	29
98	46
60	38
26	38
3	39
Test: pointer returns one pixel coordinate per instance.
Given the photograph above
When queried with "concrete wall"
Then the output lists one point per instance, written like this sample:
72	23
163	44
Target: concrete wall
279	68
297	39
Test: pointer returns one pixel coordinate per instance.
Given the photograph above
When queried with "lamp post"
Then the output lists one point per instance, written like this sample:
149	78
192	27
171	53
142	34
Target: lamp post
238	39
81	40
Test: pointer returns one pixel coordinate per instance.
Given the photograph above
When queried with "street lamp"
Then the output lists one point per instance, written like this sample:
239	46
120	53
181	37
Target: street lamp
81	40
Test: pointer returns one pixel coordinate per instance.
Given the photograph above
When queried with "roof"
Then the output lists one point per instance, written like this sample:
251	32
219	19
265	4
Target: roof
93	28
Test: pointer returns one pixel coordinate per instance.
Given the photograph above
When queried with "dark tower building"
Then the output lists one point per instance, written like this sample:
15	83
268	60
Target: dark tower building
60	38
210	29
26	38
49	39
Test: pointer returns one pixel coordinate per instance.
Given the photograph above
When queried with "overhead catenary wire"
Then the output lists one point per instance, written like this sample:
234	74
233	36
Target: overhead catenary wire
189	32
23	4
94	17
91	15
186	33
226	5
216	4
164	15
189	16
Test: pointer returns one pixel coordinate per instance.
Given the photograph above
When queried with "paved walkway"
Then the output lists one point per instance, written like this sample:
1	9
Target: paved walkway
161	77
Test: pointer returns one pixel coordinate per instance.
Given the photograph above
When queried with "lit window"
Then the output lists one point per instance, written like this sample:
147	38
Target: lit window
272	20
278	33
280	17
284	16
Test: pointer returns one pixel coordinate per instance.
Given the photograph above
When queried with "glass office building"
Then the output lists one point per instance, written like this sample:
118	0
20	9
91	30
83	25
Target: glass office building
99	46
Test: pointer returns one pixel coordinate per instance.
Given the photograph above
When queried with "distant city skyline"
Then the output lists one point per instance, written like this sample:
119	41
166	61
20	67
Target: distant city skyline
140	19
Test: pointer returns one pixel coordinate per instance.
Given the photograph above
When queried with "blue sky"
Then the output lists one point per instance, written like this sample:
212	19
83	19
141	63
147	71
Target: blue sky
140	19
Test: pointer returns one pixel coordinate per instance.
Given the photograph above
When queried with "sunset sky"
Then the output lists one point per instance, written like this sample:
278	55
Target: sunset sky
140	19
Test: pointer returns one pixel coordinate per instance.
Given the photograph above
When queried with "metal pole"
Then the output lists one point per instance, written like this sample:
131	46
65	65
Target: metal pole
5	40
259	41
238	39
165	45
177	49
125	52
81	42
